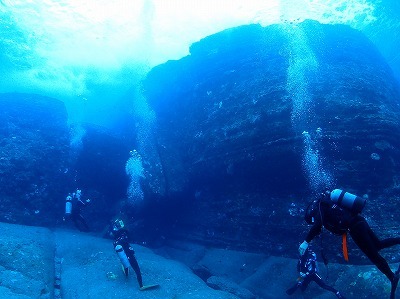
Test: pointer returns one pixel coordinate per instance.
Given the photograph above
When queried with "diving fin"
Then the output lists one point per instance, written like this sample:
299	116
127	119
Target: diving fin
291	290
395	283
148	287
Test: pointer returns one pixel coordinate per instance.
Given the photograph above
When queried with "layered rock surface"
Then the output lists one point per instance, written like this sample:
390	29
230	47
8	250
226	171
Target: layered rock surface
34	140
43	158
257	120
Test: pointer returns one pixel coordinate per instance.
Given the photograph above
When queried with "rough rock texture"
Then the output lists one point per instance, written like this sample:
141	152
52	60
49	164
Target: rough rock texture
268	277
42	159
91	269
26	258
88	267
221	283
34	140
256	120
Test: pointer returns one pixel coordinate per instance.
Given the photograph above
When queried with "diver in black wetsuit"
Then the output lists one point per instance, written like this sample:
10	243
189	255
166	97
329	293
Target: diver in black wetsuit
125	250
326	213
308	269
73	210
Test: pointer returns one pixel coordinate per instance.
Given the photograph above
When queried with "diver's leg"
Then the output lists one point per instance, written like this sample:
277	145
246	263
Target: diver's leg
361	235
380	244
80	223
293	289
135	267
388	243
77	223
84	225
304	284
322	284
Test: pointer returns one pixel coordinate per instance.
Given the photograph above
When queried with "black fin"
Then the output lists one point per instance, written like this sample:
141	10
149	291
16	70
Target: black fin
395	282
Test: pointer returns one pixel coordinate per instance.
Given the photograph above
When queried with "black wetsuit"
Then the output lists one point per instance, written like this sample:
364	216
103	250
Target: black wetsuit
76	215
121	237
307	266
339	221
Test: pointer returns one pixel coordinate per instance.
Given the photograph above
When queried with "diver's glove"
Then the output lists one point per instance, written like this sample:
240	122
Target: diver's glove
303	247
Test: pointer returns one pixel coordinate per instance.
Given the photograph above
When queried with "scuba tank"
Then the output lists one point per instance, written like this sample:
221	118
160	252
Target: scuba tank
348	201
122	256
68	205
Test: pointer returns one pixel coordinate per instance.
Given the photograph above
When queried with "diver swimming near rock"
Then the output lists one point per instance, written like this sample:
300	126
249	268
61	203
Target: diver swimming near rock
339	212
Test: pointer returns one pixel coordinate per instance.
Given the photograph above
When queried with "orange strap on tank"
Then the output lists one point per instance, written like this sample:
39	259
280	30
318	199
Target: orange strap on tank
344	247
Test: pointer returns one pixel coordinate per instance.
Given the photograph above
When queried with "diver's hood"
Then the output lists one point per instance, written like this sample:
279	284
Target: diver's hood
118	224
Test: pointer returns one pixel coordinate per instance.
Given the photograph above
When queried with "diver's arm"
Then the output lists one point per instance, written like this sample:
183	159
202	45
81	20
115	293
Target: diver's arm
314	231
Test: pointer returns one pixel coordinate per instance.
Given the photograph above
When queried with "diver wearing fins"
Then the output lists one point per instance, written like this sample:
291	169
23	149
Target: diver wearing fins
339	212
308	269
126	253
73	210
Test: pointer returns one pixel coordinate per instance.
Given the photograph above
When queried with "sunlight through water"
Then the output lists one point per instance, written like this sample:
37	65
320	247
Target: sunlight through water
96	51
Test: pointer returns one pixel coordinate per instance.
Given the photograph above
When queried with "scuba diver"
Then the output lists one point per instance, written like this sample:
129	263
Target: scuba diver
73	210
308	269
339	212
126	253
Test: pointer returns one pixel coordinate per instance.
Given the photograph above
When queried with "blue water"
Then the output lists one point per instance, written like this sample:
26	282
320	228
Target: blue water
93	56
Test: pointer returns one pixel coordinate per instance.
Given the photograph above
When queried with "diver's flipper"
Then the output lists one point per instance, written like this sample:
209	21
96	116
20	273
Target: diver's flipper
150	286
293	288
395	283
291	291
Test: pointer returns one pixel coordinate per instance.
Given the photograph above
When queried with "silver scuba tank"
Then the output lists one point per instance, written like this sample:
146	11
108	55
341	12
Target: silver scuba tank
122	256
68	205
348	201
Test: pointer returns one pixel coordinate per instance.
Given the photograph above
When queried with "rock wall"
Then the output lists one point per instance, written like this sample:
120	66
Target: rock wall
256	120
43	158
34	139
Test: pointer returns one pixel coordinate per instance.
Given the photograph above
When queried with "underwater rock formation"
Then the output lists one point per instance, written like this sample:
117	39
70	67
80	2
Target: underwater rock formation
42	158
256	120
34	139
26	258
99	170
